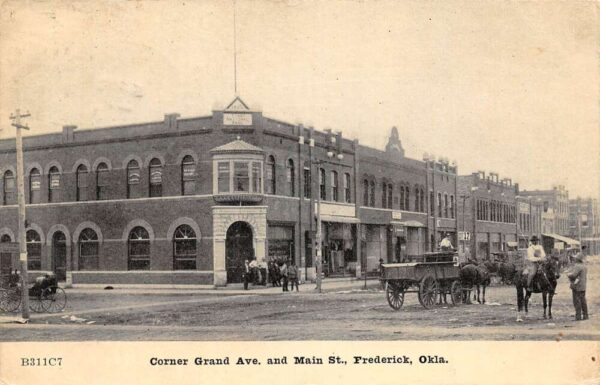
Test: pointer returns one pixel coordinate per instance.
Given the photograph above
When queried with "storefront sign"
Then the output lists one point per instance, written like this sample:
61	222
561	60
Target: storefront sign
342	210
464	236
396	215
230	119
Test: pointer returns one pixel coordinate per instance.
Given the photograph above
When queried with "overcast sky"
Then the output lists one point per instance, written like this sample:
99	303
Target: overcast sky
510	87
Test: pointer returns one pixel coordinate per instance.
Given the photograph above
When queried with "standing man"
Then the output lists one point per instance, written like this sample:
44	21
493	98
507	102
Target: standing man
578	276
293	275
446	244
535	256
284	276
246	274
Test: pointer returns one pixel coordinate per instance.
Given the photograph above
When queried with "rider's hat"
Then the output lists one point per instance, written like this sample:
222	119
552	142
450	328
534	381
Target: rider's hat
534	238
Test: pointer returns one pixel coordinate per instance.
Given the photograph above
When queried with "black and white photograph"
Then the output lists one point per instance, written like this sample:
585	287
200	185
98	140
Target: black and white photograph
296	171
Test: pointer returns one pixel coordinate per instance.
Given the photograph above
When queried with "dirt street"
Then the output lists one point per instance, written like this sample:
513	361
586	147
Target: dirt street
341	315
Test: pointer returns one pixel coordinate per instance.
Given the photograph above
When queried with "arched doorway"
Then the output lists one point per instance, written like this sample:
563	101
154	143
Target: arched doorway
238	248
59	255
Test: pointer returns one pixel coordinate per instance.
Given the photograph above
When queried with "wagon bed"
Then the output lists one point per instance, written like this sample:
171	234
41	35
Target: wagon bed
430	275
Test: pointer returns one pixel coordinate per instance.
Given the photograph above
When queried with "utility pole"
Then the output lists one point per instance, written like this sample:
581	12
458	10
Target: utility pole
16	118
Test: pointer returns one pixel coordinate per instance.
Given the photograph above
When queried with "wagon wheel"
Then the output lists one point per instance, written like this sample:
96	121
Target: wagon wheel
428	291
456	293
54	299
395	296
35	303
10	300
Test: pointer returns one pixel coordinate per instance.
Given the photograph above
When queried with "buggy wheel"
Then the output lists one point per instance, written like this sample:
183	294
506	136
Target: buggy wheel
395	296
456	293
10	299
54	299
428	292
35	304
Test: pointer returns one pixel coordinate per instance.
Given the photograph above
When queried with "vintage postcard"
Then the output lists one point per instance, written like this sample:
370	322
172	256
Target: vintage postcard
310	192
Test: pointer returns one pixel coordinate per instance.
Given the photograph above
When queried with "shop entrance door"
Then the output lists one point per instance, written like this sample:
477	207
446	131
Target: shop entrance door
238	248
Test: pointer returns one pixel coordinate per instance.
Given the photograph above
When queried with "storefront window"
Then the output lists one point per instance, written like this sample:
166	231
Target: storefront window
281	243
138	249
184	248
34	250
88	250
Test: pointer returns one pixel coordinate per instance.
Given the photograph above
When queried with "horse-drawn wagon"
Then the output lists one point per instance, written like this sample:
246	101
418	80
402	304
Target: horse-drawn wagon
430	275
44	295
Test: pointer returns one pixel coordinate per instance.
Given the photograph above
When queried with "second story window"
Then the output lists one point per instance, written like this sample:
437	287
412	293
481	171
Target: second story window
82	183
307	181
53	184
270	176
366	192
334	186
35	186
223	177
9	188
445	205
188	176
431	203
347	191
322	192
407	198
256	177
452	212
402	197
291	178
241	178
384	195
102	182
439	202
155	173
133	179
372	194
390	196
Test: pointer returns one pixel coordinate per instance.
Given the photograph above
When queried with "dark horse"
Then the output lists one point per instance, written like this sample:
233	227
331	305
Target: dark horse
474	275
544	282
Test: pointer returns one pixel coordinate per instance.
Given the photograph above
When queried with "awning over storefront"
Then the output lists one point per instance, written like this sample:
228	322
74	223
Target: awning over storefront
407	223
568	241
339	219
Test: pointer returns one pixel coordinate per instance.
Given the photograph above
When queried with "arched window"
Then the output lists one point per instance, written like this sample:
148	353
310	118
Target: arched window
334	186
372	194
347	187
407	198
34	250
402	197
138	250
307	180
9	188
102	182
291	177
270	177
82	183
53	184
431	203
452	212
35	185
322	191
439	197
365	192
188	176
383	195
390	196
184	248
156	170
88	250
422	200
417	197
133	179
5	238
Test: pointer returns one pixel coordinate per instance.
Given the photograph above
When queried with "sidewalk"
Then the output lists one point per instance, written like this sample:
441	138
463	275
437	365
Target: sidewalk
327	285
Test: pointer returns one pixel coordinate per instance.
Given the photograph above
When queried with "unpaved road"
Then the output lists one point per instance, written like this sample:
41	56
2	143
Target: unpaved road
344	315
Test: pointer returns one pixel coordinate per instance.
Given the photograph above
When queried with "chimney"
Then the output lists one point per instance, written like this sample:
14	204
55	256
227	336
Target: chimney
171	121
68	133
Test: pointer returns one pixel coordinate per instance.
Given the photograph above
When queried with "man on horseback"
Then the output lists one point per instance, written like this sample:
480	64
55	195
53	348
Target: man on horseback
535	256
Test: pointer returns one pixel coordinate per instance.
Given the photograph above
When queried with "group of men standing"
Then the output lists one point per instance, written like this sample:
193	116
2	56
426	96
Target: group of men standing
281	274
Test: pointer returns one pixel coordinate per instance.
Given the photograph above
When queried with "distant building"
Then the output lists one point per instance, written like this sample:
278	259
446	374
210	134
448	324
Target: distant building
555	205
584	223
490	214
